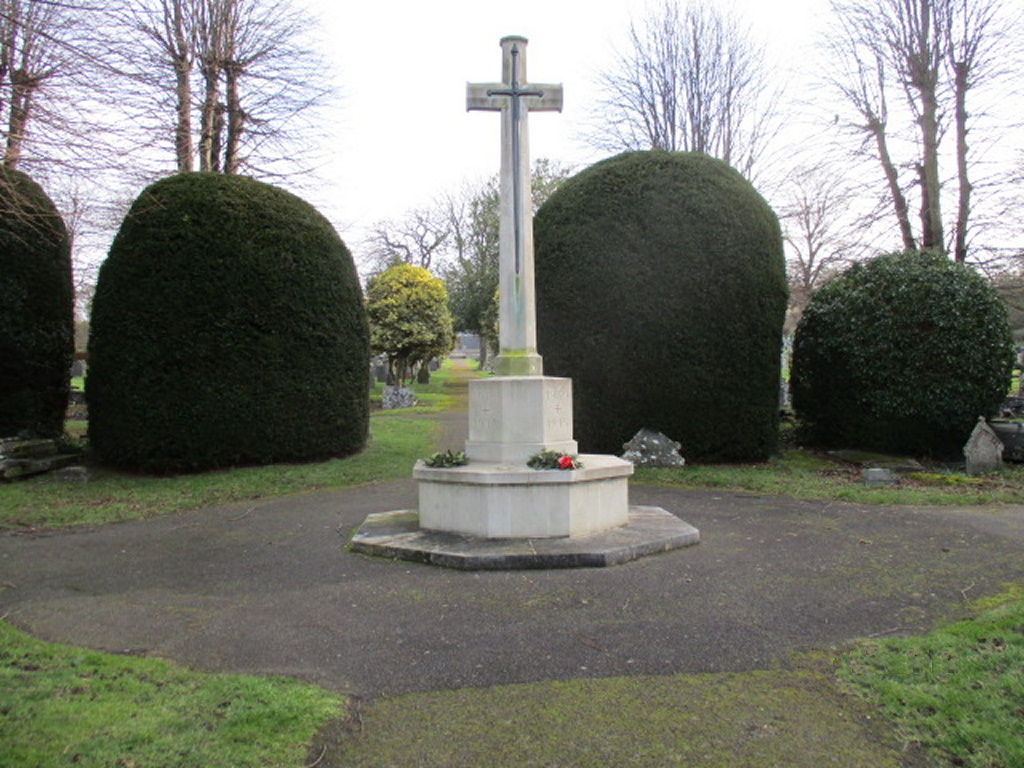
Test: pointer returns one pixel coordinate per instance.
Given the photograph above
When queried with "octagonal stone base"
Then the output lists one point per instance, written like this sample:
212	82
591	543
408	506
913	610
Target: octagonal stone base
397	535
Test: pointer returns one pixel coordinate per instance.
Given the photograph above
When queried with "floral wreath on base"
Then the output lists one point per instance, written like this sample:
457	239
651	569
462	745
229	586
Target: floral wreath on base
553	460
447	458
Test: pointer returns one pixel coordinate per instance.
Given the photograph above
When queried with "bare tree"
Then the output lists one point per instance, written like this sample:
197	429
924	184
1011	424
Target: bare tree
690	80
416	239
48	91
149	39
26	63
235	82
820	226
928	55
974	40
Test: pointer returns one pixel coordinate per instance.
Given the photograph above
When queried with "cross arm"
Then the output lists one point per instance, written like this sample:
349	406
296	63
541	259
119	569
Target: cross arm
491	97
550	99
478	97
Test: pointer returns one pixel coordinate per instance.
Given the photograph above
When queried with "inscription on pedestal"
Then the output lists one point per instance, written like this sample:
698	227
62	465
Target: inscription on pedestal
558	413
484	415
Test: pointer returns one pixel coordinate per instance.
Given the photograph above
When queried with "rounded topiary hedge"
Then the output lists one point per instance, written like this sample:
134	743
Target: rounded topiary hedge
661	290
901	354
36	310
228	328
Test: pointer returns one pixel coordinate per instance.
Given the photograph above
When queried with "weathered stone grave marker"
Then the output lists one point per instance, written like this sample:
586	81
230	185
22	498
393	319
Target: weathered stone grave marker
984	450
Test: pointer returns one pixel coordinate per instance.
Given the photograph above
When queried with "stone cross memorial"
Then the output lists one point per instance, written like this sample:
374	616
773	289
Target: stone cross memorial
515	98
497	496
520	412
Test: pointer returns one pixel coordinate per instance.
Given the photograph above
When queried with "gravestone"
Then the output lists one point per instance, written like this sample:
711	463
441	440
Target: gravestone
397	397
649	448
879	476
1011	433
984	449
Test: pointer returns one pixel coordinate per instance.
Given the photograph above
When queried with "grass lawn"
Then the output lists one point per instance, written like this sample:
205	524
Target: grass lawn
805	474
958	691
61	705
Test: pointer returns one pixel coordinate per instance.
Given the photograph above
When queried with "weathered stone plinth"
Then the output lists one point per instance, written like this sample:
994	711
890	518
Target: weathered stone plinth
497	501
513	417
398	535
497	513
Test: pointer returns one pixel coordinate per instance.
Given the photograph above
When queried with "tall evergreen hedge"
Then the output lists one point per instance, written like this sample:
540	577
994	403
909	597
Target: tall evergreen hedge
36	310
661	291
228	328
901	353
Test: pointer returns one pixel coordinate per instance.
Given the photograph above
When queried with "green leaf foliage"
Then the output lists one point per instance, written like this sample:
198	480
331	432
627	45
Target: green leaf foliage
661	291
901	354
409	317
228	328
36	310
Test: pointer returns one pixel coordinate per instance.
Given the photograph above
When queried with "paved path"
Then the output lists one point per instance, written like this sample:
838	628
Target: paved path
268	587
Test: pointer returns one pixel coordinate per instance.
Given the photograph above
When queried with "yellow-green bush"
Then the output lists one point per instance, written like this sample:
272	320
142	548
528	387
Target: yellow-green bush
410	322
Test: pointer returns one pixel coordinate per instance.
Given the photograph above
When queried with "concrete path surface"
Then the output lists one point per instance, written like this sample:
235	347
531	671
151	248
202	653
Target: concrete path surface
269	587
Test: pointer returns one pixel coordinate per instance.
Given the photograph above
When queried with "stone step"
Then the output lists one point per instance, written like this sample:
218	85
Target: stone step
18	468
18	448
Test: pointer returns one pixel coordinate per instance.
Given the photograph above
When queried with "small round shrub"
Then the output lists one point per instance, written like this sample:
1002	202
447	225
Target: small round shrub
407	309
228	328
661	291
36	310
900	354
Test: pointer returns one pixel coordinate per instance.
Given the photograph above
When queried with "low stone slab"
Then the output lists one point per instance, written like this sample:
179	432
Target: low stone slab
16	448
16	469
398	535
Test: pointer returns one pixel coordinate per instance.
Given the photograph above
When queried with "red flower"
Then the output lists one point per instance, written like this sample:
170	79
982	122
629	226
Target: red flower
566	462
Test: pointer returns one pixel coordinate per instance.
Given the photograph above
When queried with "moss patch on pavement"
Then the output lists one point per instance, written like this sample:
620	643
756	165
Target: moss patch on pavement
795	719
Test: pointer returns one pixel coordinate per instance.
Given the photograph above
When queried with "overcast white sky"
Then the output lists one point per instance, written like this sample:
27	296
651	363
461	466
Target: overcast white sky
401	133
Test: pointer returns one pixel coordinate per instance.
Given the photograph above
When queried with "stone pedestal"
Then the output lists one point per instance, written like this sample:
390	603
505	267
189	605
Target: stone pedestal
495	512
513	417
496	495
493	501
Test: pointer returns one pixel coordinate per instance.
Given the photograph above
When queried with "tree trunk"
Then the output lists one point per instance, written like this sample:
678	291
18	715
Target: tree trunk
931	209
181	61
23	87
922	64
960	86
899	200
208	159
235	118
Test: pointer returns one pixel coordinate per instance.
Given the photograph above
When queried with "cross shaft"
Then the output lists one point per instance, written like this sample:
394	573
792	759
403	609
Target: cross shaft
515	98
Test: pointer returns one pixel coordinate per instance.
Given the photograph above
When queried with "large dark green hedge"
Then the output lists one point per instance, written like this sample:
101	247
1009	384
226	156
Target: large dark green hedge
661	291
227	328
902	353
36	310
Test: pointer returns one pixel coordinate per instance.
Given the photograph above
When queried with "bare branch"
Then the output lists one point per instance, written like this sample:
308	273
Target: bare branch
689	80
